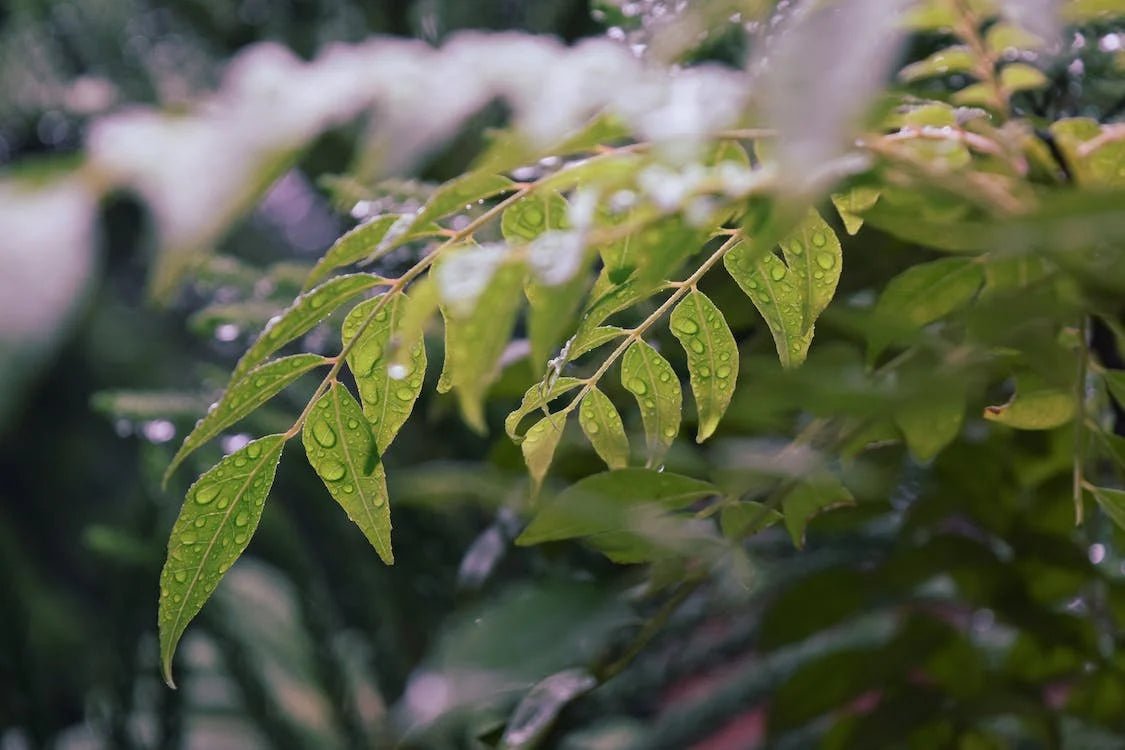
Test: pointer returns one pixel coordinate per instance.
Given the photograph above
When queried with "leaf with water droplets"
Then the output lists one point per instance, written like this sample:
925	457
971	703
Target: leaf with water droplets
812	252
551	307
852	204
538	447
592	338
306	311
476	339
712	357
602	426
342	450
219	516
537	397
454	195
613	300
653	382
773	289
242	397
352	247
921	295
388	392
809	498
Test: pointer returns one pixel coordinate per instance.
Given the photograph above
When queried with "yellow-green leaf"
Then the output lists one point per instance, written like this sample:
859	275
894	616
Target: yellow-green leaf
657	389
813	254
602	426
219	516
592	338
957	59
537	397
809	498
306	311
538	447
931	421
456	194
387	392
712	357
1035	406
1021	77
241	398
741	520
342	451
852	204
776	292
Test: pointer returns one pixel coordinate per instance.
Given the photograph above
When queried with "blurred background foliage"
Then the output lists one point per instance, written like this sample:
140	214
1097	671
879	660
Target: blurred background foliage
954	605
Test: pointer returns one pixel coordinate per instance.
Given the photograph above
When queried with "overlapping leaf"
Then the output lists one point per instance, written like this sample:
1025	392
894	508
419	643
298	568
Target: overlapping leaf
602	426
342	450
456	194
538	447
216	522
812	252
537	397
649	377
712	357
776	292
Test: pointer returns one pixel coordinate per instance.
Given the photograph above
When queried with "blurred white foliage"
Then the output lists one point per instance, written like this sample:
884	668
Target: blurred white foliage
1040	17
463	276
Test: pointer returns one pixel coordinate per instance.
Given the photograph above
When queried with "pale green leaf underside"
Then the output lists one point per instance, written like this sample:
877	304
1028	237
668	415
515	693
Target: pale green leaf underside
649	377
776	294
387	395
341	449
218	518
244	396
537	397
712	357
813	254
602	426
306	311
538	447
852	204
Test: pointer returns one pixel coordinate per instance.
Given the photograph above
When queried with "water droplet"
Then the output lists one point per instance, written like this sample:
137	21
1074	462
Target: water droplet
381	315
348	489
318	300
636	385
240	461
206	493
795	247
532	216
665	377
332	471
819	239
253	450
825	260
323	434
404	394
242	519
238	539
687	325
669	432
200	523
751	284
592	427
704	372
378	501
180	576
223	502
364	359
696	346
352	424
777	272
722	371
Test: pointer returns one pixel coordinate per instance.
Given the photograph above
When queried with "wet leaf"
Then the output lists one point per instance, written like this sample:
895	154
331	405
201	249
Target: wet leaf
387	392
241	398
712	357
592	338
306	311
613	300
852	204
456	194
649	377
218	518
602	426
776	292
352	247
809	498
537	397
921	295
342	450
538	447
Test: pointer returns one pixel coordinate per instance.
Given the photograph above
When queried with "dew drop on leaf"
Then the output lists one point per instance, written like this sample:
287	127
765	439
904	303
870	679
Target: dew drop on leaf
323	434
206	493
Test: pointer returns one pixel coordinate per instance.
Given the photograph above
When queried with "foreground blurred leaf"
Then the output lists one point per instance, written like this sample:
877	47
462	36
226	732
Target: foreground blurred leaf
809	498
219	515
342	450
538	710
1112	502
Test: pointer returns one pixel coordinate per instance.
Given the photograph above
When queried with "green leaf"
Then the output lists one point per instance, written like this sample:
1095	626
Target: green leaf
601	169
776	292
476	338
533	215
352	247
592	338
1021	77
306	311
1034	406
957	59
1115	382
712	357
538	447
1002	37
809	498
613	300
454	195
606	508
341	448
851	206
931	421
1112	503
387	393
216	522
414	314
241	398
652	381
537	397
602	426
921	295
741	520
812	252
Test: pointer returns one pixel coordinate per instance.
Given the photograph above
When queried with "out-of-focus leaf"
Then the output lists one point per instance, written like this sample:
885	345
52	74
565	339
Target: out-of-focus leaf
809	498
305	312
537	397
219	516
931	421
603	428
1115	381
851	206
538	447
741	520
712	357
1021	77
774	290
1112	502
387	392
456	194
653	382
1035	406
956	59
341	448
538	710
242	397
148	404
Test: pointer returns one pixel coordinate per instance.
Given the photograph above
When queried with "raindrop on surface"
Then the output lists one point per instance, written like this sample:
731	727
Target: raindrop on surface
636	385
397	371
332	471
323	434
205	495
687	326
